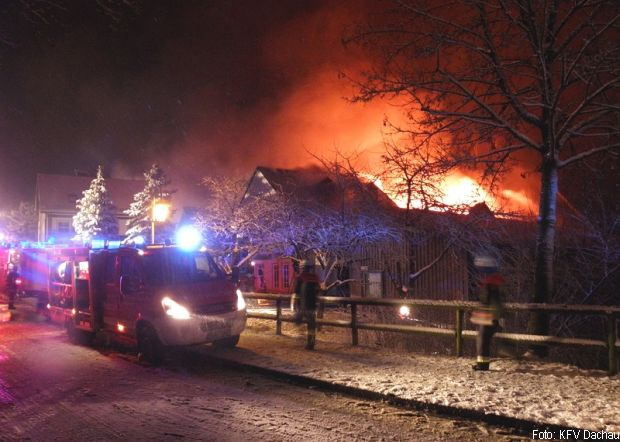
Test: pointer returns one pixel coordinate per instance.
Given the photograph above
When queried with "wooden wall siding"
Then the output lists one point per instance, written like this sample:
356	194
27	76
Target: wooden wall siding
389	257
446	280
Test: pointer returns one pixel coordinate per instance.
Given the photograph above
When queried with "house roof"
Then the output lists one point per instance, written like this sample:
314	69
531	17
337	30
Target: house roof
314	184
60	192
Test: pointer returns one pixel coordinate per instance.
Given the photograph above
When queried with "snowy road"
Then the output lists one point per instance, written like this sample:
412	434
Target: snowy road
51	389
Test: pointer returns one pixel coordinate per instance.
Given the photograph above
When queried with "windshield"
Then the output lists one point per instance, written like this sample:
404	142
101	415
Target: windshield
180	267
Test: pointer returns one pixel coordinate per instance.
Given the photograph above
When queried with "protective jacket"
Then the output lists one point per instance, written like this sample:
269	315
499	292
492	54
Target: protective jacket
307	288
490	296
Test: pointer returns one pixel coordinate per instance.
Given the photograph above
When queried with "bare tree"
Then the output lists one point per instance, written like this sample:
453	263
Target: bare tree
410	174
488	82
335	237
241	226
328	222
21	223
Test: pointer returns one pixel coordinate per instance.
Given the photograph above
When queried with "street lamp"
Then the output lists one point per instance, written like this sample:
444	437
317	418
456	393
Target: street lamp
161	212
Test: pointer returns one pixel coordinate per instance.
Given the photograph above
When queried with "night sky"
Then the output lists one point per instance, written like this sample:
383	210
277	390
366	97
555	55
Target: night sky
198	86
201	87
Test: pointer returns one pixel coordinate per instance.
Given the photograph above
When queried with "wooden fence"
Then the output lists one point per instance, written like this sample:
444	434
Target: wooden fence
612	314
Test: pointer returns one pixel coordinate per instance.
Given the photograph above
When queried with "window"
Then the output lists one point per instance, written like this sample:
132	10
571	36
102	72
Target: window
110	270
286	283
189	267
129	266
131	273
63	226
153	269
276	276
260	274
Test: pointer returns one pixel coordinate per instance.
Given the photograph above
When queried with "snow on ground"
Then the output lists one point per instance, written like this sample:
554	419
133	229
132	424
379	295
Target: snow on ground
542	392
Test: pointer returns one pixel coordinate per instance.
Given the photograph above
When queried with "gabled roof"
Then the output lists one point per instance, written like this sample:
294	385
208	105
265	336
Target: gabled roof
60	192
315	185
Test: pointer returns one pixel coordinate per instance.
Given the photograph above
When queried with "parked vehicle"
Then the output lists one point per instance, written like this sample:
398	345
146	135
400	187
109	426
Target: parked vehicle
33	267
9	258
154	297
67	283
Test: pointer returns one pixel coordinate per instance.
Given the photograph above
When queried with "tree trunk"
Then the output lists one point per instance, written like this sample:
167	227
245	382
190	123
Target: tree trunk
545	242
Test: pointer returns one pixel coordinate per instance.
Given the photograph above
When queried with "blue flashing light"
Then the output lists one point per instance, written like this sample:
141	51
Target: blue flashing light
139	240
188	238
114	244
97	243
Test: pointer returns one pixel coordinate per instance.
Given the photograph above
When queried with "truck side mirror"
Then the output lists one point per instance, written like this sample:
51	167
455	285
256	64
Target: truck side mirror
128	285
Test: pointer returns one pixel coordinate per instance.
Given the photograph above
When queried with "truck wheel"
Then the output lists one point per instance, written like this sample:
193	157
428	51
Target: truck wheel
150	349
77	336
227	342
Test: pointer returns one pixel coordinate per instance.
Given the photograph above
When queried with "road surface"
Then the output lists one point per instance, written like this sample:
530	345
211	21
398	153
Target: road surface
51	389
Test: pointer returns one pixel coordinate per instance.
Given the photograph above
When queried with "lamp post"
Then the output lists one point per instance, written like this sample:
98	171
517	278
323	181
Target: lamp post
161	212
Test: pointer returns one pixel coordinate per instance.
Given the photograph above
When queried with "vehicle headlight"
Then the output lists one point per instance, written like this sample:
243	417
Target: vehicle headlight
174	309
240	300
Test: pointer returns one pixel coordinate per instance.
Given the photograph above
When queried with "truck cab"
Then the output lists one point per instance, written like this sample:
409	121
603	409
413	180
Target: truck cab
156	297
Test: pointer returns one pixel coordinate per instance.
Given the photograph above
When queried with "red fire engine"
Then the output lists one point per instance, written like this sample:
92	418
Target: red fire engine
9	259
153	297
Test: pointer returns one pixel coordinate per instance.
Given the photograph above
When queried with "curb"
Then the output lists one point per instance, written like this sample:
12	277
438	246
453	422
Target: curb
521	426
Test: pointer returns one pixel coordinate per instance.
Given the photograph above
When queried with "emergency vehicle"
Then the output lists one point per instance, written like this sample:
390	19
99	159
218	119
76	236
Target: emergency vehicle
152	297
9	259
32	264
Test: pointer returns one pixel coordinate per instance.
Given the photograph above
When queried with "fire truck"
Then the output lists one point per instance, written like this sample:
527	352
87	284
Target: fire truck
31	260
9	259
151	297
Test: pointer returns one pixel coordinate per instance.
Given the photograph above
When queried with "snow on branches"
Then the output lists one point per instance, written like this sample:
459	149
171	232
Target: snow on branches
301	214
20	223
139	212
96	212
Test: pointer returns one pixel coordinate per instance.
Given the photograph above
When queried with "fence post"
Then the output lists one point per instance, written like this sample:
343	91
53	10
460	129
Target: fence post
458	332
278	316
612	335
354	337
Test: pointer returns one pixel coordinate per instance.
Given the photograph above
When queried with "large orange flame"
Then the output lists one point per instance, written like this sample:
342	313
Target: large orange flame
458	192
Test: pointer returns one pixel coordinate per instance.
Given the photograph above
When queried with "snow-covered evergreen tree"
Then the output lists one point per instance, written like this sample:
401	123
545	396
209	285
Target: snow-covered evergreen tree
139	212
96	212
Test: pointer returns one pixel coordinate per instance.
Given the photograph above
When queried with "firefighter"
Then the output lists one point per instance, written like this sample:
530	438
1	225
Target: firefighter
307	289
487	318
11	285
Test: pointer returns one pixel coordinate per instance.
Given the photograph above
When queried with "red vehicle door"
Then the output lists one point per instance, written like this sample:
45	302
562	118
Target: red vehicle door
124	307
